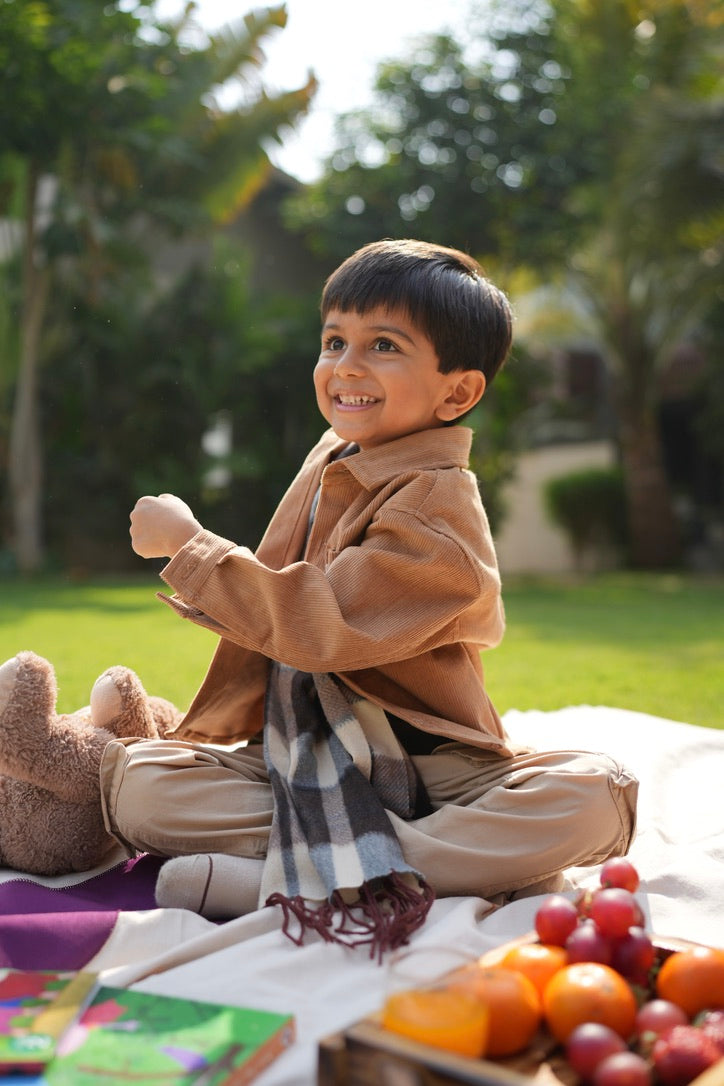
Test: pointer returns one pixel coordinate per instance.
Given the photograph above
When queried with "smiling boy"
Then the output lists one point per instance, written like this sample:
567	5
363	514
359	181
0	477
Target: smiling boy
377	772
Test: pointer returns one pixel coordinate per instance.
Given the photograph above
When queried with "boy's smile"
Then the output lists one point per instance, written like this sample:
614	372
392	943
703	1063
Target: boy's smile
377	377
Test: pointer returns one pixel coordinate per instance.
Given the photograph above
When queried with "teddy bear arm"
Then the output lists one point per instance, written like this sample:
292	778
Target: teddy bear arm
61	753
165	715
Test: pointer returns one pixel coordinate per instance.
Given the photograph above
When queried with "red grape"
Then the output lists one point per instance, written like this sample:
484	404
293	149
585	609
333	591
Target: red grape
555	919
587	944
614	911
589	1044
633	955
623	1069
620	872
655	1018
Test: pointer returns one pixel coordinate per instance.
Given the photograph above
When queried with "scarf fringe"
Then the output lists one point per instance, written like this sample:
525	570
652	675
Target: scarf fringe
387	912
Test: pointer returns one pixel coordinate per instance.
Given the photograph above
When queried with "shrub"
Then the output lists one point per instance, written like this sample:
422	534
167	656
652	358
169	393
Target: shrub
590	507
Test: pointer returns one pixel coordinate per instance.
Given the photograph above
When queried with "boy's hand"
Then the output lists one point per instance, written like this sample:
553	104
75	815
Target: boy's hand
161	525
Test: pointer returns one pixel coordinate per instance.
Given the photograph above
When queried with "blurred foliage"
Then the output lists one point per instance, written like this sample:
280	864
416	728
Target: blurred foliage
464	143
711	390
124	112
112	140
133	390
509	143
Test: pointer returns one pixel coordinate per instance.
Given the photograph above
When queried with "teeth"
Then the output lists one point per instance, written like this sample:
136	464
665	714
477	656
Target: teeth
356	401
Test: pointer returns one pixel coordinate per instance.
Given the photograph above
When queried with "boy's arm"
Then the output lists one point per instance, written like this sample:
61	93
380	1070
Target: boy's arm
407	588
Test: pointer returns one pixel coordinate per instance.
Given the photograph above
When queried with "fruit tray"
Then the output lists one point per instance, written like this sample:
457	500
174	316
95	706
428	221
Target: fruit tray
366	1054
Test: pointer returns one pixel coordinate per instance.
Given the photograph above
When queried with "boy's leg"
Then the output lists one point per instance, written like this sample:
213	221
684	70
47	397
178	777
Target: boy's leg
500	825
172	798
209	809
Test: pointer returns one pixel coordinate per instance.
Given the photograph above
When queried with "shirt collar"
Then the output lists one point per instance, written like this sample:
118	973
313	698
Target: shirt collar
445	447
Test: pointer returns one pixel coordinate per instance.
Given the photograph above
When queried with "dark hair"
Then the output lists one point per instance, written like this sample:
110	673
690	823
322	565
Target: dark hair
467	318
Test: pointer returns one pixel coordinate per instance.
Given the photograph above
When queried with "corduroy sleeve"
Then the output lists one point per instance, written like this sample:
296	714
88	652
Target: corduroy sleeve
412	583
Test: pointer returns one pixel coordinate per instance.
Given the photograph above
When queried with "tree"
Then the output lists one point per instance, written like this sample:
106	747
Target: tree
580	144
449	151
110	132
649	263
132	393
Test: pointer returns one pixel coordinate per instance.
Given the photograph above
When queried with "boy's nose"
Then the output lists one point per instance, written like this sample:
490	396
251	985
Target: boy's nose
349	364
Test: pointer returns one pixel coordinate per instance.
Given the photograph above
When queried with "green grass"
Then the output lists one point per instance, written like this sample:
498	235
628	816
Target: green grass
649	643
85	627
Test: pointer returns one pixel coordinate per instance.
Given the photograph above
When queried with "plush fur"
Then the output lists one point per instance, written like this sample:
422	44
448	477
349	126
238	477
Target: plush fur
50	808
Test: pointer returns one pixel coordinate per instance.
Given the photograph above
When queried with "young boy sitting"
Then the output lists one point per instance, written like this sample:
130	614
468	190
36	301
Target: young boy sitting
377	772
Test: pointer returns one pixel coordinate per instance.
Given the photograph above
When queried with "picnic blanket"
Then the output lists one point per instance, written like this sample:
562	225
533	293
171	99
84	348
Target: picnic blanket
106	920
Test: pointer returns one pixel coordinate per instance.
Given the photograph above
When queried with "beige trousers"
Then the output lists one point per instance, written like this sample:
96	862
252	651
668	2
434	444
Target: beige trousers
498	825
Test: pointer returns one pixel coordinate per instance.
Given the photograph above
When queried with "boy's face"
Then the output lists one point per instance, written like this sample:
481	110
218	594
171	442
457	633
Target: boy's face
377	378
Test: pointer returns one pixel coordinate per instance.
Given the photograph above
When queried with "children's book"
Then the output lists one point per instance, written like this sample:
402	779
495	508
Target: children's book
35	1009
127	1037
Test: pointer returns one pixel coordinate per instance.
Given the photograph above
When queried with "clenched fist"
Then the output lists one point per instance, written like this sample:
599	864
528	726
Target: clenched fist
161	525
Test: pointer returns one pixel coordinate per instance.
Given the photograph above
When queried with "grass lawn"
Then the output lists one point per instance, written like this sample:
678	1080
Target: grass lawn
84	627
645	642
650	643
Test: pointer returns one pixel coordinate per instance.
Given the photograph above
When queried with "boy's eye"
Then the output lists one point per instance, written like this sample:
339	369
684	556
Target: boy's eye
385	345
333	343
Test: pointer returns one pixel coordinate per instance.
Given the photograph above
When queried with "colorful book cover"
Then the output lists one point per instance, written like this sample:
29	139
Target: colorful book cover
35	1009
127	1037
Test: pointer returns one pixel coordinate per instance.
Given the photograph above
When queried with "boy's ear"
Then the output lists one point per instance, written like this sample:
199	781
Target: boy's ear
467	390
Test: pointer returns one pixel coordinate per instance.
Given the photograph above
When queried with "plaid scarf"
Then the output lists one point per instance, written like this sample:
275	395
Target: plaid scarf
334	862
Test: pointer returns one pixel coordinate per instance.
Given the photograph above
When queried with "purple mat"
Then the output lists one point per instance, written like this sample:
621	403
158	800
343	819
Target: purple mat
62	928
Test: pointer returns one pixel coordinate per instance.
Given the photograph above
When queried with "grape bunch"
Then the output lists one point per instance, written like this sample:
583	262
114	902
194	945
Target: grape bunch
605	925
664	1026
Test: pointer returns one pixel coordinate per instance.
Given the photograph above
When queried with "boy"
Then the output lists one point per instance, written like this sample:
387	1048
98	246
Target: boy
377	771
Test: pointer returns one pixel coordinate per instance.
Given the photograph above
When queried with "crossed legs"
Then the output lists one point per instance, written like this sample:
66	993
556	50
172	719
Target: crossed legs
499	825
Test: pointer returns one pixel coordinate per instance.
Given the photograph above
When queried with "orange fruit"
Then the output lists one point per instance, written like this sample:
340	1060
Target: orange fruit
453	1020
512	1001
536	961
693	979
588	992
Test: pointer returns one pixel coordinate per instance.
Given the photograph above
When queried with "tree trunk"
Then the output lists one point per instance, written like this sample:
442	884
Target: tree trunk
653	528
25	451
654	535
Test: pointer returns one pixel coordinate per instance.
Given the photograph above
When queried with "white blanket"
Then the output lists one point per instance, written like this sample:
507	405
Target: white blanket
679	852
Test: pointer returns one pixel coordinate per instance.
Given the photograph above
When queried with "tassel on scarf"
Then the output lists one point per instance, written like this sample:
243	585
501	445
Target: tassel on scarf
387	912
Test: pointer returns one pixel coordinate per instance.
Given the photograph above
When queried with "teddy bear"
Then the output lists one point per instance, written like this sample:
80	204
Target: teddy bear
51	820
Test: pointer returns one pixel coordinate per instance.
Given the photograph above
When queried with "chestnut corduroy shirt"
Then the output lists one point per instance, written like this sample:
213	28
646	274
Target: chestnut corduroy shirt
397	592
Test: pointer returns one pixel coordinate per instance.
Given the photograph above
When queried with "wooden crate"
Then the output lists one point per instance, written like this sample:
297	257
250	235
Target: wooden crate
366	1054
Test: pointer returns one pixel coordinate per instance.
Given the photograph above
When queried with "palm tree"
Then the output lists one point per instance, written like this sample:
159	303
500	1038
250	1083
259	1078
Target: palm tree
118	118
651	268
